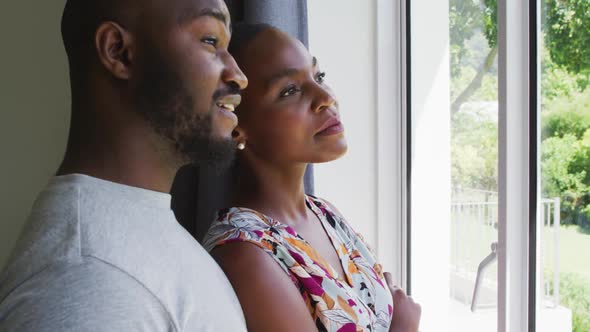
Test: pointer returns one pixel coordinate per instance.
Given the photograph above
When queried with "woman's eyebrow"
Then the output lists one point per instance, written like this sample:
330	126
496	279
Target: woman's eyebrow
288	72
283	73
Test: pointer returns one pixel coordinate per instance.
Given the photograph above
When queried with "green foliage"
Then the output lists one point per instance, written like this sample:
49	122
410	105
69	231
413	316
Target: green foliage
490	19
581	162
567	34
565	134
586	212
575	295
557	158
566	114
474	148
487	92
465	19
556	81
566	27
565	155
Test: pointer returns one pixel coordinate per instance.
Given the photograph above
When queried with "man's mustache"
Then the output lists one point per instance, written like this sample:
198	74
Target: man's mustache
226	91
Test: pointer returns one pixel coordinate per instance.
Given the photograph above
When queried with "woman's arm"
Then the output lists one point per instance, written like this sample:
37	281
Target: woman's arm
269	299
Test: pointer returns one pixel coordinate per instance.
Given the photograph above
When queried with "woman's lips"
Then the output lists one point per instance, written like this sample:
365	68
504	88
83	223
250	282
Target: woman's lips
333	129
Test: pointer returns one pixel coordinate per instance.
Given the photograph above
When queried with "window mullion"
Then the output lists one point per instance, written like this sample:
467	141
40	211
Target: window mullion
515	175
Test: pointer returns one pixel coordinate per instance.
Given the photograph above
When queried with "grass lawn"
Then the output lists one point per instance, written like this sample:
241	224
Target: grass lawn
574	251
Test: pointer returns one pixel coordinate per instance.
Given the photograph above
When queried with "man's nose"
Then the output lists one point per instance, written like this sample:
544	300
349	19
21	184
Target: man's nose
233	73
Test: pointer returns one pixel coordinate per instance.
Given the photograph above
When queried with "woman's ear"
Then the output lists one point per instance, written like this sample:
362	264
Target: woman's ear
239	136
114	46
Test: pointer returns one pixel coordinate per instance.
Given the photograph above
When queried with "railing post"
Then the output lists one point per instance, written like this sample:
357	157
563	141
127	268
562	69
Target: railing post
542	289
556	229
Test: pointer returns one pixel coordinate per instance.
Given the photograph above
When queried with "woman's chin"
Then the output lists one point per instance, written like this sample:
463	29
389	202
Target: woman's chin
331	154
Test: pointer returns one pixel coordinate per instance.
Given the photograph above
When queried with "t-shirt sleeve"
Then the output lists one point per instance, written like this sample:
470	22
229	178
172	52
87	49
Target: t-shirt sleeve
87	296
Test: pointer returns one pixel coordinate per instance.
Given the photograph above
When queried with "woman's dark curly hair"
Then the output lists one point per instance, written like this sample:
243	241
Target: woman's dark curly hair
244	33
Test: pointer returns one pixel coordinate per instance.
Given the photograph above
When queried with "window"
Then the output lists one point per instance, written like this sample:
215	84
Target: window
454	164
498	160
563	228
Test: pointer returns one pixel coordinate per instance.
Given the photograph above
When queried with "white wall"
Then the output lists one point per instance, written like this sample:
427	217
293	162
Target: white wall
34	108
342	37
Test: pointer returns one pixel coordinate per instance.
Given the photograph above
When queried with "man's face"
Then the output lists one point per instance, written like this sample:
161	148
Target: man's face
188	84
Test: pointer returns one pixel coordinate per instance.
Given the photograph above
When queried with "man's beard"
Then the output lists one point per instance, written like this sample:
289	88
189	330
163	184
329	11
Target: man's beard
169	108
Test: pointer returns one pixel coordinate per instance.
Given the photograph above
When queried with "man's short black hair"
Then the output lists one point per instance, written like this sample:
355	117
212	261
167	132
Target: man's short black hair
81	18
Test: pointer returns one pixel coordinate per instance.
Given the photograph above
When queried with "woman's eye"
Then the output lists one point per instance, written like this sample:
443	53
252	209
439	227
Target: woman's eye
289	91
210	41
321	77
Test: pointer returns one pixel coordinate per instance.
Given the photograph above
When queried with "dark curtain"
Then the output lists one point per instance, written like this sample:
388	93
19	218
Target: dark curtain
198	192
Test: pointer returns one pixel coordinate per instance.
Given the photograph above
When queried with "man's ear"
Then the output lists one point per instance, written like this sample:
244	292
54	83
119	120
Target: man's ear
114	46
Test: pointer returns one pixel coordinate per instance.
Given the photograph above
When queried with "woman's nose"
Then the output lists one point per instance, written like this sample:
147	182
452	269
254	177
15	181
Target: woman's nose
324	99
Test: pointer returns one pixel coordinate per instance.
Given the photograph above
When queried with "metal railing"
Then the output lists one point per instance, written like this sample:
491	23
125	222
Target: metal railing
475	228
548	253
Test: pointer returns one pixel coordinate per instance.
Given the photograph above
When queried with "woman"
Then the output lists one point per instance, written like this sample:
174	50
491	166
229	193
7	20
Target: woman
295	263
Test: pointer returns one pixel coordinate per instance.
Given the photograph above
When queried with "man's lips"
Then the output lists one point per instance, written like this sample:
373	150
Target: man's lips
330	127
229	102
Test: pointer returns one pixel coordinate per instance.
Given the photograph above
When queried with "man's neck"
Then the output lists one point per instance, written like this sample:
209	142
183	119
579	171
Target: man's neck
133	156
123	174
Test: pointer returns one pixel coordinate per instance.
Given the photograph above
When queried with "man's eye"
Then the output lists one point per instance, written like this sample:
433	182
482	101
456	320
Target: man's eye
320	77
210	41
289	91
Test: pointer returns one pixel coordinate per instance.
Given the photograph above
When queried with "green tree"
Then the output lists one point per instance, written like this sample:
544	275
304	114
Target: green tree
565	155
474	149
467	17
567	35
556	81
575	295
565	115
566	27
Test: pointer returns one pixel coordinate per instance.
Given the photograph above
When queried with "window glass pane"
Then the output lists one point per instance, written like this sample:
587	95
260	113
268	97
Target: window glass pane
563	257
455	163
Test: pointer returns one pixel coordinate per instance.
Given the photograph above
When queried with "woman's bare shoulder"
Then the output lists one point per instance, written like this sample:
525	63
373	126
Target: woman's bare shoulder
269	298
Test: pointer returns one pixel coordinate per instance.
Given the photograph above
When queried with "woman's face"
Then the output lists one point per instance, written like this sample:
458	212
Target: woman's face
288	114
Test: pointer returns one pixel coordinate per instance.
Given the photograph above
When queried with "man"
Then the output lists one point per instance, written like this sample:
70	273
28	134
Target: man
153	88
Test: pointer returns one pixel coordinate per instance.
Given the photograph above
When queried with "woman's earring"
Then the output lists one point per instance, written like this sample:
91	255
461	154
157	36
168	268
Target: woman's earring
242	146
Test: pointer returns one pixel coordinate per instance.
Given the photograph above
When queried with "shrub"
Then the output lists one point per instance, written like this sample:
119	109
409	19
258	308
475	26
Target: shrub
575	295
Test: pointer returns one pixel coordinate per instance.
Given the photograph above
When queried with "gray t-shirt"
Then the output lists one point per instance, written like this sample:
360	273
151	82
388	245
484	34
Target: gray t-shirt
101	256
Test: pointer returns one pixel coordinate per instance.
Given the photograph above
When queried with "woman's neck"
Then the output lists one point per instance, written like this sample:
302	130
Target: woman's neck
274	191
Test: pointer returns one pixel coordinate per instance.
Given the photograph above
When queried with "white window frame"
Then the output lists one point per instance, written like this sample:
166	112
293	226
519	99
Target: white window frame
518	163
518	159
392	173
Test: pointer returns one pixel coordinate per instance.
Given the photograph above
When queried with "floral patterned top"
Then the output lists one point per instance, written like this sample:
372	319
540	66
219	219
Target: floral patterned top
359	301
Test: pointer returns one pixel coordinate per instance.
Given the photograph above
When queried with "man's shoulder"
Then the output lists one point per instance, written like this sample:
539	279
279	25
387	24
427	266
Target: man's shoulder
87	294
85	247
72	277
